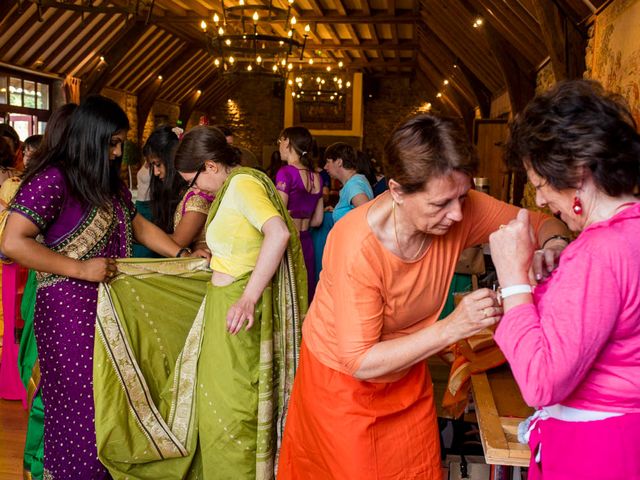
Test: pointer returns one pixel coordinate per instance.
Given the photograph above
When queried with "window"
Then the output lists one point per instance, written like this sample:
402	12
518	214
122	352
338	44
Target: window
25	101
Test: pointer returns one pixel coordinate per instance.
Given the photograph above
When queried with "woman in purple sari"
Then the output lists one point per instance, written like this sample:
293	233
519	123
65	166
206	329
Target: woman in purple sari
74	198
301	190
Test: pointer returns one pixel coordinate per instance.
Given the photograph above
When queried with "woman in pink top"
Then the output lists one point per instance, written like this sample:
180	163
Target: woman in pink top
574	343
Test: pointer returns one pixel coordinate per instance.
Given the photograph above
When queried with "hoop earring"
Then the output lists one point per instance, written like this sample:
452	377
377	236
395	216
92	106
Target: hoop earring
577	205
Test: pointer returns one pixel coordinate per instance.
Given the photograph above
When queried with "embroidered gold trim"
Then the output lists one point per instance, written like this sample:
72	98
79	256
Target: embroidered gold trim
170	438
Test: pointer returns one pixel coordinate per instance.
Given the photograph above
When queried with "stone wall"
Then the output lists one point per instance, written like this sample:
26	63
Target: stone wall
396	99
253	113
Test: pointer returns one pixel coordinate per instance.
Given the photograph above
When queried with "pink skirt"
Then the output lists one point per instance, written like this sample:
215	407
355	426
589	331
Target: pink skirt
599	450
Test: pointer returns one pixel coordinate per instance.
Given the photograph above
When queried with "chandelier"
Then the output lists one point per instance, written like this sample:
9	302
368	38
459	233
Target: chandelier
325	85
243	40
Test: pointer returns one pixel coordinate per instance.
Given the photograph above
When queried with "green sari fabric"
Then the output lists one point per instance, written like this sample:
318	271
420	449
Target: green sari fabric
159	417
145	365
30	374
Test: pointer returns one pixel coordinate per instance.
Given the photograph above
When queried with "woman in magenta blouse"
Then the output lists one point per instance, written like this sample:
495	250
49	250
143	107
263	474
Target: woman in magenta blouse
574	342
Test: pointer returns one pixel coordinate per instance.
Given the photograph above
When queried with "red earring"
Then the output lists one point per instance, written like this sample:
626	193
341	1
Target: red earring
577	206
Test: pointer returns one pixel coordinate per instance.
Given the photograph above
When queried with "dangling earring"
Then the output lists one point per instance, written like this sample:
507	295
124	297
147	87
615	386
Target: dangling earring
577	205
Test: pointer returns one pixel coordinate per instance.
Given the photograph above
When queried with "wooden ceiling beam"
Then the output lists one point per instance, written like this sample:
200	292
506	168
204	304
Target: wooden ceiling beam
65	27
565	43
147	96
366	45
19	33
153	67
329	17
512	30
45	27
127	39
85	39
520	88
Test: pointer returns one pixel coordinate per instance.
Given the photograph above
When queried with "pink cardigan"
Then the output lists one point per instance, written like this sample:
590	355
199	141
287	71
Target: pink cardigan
578	344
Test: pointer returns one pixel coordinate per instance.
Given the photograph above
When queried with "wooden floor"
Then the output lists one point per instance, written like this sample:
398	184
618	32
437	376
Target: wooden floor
13	428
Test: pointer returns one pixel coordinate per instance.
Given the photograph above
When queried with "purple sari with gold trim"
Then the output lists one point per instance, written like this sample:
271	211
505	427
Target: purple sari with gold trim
65	313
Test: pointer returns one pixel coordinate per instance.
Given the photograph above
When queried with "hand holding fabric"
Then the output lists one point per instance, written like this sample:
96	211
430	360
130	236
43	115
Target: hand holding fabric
477	310
98	269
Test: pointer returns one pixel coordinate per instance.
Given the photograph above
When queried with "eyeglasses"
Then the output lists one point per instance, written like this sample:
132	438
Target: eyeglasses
195	179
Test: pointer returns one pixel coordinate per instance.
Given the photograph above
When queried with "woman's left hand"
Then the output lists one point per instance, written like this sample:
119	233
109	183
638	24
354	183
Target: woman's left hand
240	312
546	260
512	249
201	253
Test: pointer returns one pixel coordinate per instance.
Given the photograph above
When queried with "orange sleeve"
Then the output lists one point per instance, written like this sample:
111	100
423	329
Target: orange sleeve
485	214
358	307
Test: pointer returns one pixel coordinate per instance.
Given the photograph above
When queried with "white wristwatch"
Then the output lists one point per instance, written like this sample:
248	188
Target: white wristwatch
515	290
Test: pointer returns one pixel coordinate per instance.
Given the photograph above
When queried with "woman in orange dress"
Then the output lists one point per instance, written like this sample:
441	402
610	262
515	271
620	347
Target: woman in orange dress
362	405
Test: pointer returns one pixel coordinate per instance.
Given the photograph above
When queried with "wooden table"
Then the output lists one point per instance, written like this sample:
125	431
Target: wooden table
499	409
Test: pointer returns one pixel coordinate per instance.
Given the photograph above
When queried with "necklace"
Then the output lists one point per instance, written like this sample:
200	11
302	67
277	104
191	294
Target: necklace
395	230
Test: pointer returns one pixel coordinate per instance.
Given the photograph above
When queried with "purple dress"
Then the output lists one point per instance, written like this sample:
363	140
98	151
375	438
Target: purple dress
302	203
64	320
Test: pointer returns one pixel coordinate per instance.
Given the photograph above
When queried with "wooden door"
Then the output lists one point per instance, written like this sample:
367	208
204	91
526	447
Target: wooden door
489	137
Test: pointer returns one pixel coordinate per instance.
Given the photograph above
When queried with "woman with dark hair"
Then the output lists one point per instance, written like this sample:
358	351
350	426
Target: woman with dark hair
301	190
362	404
6	160
255	303
343	165
179	211
13	139
28	364
574	342
72	195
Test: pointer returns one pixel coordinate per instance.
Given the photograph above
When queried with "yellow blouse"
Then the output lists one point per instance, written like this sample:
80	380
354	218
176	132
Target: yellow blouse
234	236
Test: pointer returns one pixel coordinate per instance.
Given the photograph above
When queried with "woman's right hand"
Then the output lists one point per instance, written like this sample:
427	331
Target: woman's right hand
476	311
98	269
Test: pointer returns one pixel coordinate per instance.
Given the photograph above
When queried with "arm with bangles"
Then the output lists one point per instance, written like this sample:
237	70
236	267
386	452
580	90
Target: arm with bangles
154	238
190	226
19	243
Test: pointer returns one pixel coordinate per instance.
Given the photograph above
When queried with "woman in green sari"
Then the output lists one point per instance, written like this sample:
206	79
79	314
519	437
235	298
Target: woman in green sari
223	420
244	371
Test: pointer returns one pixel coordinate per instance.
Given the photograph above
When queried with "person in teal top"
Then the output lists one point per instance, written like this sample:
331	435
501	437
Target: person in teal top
356	189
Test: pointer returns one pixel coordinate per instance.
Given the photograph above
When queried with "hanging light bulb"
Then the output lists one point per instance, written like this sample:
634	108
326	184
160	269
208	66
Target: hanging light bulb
439	95
348	84
293	94
274	68
216	18
242	3
221	31
199	92
322	82
259	60
290	33
231	60
290	2
298	96
335	79
255	17
249	68
293	21
216	62
290	66
203	25
328	68
340	64
318	79
311	61
307	28
446	82
283	62
290	82
228	41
